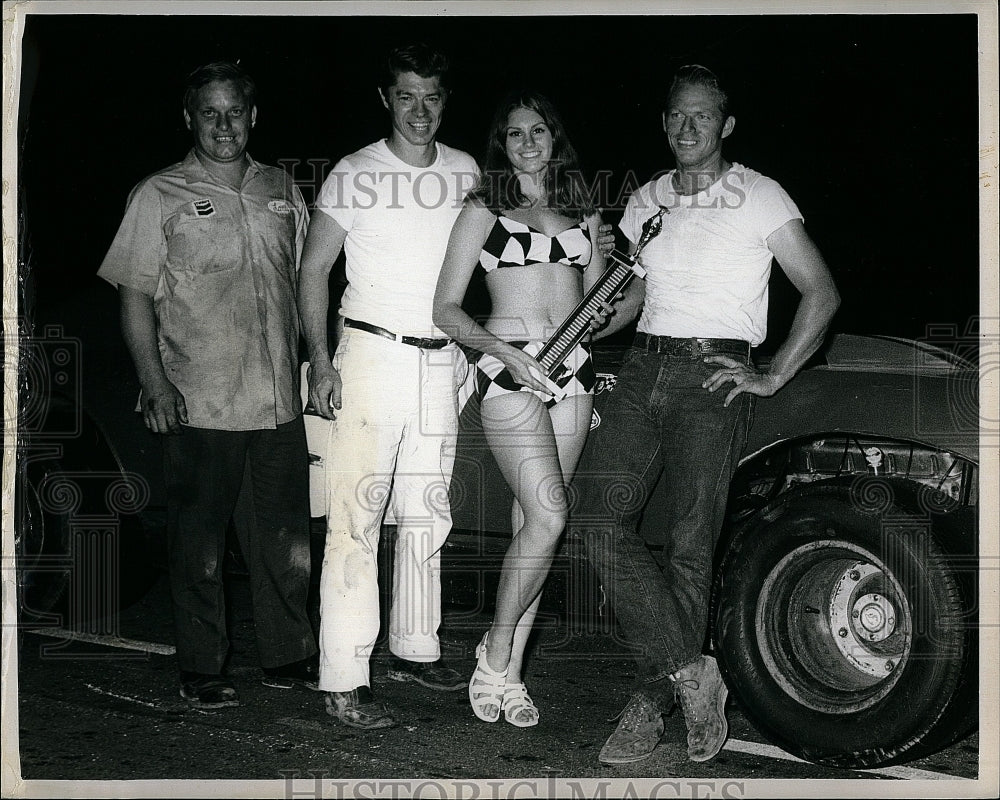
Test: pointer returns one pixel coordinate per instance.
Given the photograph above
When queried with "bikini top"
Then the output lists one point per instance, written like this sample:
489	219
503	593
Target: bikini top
514	244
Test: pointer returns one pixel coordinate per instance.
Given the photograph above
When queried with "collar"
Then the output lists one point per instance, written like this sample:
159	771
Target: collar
194	171
716	185
436	163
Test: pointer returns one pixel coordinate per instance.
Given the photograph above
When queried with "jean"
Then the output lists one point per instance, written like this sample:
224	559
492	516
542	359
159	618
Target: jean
659	421
393	440
259	479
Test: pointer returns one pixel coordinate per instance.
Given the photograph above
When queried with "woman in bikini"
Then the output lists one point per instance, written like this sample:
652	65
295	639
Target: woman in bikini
531	227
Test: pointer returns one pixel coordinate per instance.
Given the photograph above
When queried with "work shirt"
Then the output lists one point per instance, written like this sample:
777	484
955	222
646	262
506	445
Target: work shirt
221	266
707	270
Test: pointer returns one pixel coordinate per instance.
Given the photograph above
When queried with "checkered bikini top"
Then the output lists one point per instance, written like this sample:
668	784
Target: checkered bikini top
514	244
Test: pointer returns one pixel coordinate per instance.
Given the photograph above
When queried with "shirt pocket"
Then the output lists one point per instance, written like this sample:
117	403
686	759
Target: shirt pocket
271	223
203	243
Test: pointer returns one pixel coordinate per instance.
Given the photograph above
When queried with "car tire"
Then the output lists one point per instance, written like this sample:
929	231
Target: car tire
81	548
843	627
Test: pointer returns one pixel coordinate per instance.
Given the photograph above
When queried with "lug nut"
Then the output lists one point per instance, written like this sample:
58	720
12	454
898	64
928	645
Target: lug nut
842	633
855	575
888	666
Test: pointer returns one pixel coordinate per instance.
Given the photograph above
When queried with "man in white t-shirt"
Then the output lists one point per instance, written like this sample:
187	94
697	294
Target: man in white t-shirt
704	305
390	388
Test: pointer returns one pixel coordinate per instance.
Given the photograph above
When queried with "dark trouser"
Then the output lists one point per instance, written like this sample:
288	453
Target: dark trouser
659	420
205	472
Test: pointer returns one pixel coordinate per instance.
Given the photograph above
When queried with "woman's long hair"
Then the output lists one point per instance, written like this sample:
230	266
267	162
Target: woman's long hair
499	187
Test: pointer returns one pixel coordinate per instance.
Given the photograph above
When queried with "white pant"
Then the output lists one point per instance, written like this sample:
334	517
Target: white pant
394	436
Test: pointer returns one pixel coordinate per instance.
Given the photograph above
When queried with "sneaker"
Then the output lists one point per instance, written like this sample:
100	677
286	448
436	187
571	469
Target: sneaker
432	674
358	709
702	695
208	691
637	734
304	673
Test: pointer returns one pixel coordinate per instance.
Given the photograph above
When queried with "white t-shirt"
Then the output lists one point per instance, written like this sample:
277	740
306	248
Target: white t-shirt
398	219
707	270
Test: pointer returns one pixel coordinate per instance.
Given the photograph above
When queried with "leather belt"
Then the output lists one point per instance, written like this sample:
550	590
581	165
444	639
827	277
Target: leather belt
415	341
692	347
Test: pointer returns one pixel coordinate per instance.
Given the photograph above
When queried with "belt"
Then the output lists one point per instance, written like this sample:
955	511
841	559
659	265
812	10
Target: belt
692	347
415	341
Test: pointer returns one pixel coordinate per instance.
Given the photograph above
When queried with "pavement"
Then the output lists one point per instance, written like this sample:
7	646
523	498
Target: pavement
89	711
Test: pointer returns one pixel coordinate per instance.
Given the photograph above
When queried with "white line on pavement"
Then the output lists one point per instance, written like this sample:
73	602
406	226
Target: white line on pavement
109	641
123	697
770	751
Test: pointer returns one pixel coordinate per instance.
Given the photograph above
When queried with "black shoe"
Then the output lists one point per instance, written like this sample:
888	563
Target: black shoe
304	673
358	709
432	674
208	691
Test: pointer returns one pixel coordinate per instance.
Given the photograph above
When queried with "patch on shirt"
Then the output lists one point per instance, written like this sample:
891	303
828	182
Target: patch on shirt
279	207
204	208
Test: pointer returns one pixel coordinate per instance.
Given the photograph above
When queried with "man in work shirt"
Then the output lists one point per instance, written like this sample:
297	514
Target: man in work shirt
205	262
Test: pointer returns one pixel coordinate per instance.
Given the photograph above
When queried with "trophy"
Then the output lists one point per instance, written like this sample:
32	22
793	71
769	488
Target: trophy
614	280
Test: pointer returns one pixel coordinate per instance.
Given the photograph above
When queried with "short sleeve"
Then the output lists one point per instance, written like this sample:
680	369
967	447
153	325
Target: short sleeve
770	207
337	196
139	250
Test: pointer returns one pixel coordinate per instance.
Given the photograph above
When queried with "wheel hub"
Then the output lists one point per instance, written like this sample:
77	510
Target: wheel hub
861	620
875	616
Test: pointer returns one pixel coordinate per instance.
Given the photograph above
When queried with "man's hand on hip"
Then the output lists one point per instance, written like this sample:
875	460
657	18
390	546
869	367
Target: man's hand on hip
746	378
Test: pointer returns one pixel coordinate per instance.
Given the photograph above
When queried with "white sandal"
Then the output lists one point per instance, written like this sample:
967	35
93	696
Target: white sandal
515	702
486	687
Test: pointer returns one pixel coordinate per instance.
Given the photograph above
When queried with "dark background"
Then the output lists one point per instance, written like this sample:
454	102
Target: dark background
869	122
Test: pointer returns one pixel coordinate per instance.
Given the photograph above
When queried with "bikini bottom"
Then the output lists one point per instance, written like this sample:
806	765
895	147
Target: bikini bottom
576	375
